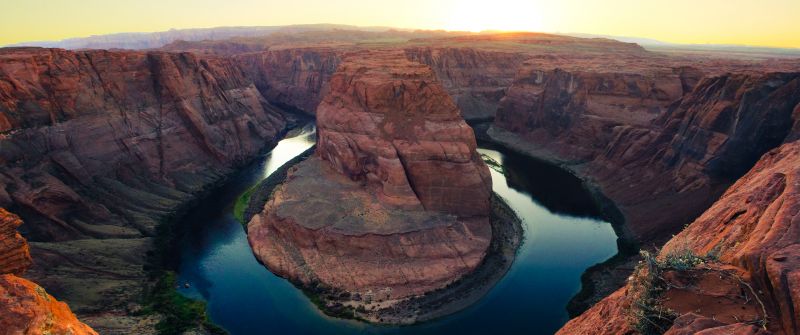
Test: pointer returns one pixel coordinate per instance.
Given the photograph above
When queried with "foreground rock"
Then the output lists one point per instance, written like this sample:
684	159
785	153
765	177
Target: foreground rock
733	269
99	147
396	201
25	308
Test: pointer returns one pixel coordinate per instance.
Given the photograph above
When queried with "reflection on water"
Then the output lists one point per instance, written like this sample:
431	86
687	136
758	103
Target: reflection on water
245	298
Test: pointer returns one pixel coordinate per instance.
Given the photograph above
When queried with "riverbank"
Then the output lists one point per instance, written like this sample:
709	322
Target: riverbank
174	312
603	278
507	235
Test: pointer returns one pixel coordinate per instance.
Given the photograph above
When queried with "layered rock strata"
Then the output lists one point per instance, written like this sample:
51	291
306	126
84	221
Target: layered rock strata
396	201
99	147
292	78
476	79
646	153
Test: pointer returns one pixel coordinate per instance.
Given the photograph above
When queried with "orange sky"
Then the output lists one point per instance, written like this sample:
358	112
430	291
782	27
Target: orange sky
750	22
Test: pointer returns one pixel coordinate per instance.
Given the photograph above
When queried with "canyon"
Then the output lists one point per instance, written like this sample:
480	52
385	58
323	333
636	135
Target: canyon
100	148
371	214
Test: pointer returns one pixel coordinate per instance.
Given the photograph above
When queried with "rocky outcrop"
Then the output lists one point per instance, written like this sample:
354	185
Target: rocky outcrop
99	147
754	226
476	79
396	201
389	122
321	228
293	78
28	309
652	157
752	232
15	256
607	317
25	308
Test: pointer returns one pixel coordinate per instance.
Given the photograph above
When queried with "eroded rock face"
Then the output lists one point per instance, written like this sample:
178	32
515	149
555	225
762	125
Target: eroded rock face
476	79
574	111
295	78
320	227
28	309
395	202
15	256
754	226
98	147
606	318
25	308
389	122
138	132
752	230
647	154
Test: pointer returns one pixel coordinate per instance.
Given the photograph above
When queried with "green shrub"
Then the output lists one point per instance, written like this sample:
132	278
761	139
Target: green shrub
179	312
241	205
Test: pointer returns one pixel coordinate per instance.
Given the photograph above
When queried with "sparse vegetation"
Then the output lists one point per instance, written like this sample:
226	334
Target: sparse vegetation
179	312
648	315
493	164
241	204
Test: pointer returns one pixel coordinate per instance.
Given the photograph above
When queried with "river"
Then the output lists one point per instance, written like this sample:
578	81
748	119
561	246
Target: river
563	237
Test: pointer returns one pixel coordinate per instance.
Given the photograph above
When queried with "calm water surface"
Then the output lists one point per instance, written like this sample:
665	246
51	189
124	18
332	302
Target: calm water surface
562	239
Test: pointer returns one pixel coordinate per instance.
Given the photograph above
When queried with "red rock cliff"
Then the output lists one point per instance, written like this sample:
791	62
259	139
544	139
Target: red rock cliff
752	232
394	204
388	121
25	308
294	78
99	146
15	256
647	154
476	79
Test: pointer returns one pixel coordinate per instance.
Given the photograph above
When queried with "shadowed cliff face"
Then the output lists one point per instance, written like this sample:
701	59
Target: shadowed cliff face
476	79
648	154
292	78
26	307
119	138
99	147
396	201
752	234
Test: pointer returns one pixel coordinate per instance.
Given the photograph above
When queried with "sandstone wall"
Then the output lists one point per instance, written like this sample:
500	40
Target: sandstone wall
388	121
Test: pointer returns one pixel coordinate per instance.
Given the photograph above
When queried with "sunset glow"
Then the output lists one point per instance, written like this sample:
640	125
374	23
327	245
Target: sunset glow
765	23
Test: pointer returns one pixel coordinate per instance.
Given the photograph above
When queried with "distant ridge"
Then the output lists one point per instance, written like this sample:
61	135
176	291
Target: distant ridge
134	40
720	49
153	40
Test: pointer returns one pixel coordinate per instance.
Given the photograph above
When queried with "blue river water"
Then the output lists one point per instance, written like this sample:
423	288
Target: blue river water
563	237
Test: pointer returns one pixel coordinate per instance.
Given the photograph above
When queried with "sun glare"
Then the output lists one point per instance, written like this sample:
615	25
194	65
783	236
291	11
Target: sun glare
506	15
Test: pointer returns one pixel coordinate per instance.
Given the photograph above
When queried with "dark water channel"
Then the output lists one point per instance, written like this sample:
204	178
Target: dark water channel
563	237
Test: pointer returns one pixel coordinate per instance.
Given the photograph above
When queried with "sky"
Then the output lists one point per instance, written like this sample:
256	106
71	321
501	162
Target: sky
747	22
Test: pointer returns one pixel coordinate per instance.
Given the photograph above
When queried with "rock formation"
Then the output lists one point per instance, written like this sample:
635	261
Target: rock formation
644	152
394	204
15	256
98	147
294	78
28	309
476	79
388	121
25	308
752	232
